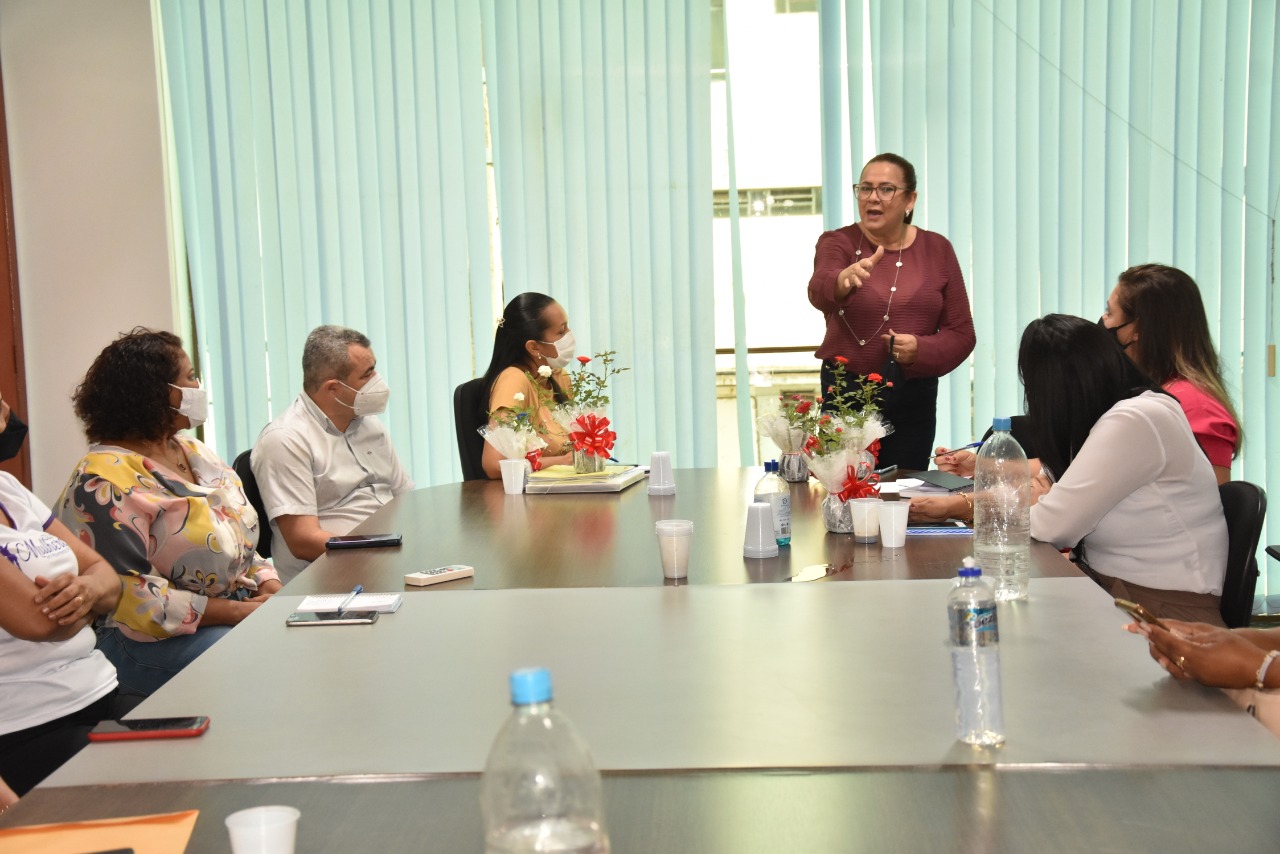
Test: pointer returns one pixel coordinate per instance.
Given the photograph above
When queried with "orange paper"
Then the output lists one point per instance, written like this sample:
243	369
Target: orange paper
146	834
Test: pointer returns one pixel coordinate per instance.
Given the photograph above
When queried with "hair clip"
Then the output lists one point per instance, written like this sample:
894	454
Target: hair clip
501	322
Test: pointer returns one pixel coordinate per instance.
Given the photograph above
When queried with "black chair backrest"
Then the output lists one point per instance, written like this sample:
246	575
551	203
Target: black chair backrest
242	467
1244	505
468	417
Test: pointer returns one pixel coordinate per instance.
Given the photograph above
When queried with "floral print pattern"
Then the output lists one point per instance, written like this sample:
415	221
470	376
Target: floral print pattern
177	543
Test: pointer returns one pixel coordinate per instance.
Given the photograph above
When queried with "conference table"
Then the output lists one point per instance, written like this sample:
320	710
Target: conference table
725	715
608	540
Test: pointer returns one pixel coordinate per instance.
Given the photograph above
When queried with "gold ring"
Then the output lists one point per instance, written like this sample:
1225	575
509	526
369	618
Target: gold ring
80	599
1182	662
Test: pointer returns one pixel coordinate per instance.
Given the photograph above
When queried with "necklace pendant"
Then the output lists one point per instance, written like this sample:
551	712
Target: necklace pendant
842	312
862	342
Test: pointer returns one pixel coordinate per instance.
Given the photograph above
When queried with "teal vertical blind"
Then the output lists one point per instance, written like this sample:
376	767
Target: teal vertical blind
599	119
331	161
1058	143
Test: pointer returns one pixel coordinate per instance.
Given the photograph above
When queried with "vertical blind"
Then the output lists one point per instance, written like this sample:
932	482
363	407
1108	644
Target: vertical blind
331	159
599	117
1058	143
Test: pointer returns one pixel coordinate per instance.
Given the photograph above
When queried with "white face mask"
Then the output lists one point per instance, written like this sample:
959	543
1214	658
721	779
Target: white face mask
194	405
371	398
564	350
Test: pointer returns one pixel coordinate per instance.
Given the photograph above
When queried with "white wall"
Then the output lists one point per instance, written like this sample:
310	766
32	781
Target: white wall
89	199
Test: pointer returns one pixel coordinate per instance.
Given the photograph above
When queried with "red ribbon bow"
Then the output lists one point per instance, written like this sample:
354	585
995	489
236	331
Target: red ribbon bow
535	459
595	438
809	444
854	488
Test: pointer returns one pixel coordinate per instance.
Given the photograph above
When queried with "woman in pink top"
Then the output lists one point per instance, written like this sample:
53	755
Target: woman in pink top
1156	314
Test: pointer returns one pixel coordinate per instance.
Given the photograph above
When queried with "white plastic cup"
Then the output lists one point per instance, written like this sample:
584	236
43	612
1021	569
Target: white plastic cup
674	538
761	540
263	830
514	473
866	519
893	523
661	479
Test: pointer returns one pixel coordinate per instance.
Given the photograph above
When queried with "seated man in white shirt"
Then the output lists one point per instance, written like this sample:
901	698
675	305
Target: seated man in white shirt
327	462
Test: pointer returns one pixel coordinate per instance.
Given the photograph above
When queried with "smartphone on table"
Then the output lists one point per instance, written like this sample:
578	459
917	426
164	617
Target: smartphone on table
1140	613
139	728
331	618
364	541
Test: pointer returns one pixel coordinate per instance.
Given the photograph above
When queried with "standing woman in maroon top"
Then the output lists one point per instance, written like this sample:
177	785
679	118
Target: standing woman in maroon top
894	301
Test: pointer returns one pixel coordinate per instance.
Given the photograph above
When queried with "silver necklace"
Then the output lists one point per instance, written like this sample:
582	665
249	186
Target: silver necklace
893	289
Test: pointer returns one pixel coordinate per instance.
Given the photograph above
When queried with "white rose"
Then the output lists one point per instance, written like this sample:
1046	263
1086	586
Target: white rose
544	371
519	397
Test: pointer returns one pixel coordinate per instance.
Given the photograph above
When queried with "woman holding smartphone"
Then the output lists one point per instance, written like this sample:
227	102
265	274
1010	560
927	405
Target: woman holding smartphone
1242	661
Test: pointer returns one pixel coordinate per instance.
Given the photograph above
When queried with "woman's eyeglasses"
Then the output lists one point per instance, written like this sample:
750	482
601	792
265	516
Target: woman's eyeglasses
884	191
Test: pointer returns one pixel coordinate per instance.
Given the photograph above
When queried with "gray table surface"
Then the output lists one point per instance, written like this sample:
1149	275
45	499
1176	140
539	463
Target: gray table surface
1168	810
710	677
607	540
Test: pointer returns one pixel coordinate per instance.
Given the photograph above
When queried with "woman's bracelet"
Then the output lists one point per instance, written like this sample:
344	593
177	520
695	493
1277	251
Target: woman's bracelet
1260	682
968	499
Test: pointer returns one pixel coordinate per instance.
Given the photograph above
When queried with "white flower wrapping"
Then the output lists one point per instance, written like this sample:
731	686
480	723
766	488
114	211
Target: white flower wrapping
832	469
790	440
511	443
567	415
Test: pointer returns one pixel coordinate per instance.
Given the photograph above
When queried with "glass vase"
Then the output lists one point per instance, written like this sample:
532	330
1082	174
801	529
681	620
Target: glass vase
584	463
837	515
793	468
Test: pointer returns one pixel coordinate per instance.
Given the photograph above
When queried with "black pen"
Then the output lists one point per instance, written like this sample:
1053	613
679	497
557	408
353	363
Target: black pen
359	588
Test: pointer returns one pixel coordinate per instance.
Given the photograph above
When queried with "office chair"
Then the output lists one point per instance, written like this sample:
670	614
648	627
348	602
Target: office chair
242	467
1244	505
468	417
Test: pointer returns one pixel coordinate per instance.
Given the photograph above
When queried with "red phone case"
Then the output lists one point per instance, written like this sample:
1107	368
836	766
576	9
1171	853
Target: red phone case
135	735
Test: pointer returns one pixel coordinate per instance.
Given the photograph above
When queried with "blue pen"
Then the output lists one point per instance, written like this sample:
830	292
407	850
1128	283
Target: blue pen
953	450
359	588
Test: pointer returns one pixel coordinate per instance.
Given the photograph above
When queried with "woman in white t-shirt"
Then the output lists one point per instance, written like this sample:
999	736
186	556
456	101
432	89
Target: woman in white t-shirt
1136	499
54	686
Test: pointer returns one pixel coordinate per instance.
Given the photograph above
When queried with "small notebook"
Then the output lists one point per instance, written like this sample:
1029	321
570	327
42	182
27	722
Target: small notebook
382	603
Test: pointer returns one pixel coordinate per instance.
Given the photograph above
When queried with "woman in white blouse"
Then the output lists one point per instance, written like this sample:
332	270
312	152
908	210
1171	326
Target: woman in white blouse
1135	499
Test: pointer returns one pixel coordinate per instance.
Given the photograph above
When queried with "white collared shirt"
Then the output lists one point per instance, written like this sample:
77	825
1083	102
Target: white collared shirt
305	466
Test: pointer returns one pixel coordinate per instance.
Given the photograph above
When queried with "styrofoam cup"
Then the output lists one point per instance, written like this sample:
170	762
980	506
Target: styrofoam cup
263	830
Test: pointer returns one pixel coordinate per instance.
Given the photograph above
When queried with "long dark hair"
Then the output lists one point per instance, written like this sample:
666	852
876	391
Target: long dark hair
1174	340
1072	371
521	322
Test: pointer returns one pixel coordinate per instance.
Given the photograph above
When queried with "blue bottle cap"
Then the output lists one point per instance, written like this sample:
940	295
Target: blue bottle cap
1002	422
530	685
970	571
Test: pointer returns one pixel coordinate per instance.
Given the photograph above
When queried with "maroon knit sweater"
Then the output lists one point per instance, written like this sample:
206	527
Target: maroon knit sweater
930	303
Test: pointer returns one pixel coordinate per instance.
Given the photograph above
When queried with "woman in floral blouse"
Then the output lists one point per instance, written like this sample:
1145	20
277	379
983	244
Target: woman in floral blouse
163	509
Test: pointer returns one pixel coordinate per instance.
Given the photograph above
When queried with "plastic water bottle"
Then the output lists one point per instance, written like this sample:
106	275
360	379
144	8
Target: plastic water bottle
772	489
540	791
1002	512
975	658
